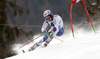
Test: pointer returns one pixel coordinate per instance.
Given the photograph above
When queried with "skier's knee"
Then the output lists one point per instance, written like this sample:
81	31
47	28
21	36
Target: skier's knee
45	38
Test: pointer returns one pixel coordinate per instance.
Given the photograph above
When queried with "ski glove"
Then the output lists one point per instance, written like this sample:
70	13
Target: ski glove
45	32
51	34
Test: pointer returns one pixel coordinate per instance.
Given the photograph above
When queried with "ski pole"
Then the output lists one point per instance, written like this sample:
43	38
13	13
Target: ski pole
59	39
27	43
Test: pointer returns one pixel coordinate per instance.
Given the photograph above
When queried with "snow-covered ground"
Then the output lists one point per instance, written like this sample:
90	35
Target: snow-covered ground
84	47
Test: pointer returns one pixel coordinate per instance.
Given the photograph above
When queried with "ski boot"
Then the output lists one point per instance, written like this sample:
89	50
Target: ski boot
50	37
33	47
46	43
36	45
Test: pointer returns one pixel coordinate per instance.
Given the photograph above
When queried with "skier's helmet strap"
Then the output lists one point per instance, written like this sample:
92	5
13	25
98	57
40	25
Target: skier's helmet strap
47	14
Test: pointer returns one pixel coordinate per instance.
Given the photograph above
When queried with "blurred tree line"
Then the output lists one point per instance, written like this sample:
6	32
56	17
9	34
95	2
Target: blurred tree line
8	34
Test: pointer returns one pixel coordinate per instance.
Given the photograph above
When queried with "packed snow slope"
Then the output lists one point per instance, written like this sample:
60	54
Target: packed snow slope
86	47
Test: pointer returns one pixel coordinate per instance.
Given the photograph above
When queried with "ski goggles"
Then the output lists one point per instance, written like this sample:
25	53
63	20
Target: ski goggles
47	17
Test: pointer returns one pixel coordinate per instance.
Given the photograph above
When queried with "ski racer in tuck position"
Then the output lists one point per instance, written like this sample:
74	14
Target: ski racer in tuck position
56	29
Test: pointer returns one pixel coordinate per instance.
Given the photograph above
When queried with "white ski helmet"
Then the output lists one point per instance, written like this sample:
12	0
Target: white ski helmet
47	14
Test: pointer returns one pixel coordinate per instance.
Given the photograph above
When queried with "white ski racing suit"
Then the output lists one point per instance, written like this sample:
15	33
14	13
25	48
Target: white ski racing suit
56	26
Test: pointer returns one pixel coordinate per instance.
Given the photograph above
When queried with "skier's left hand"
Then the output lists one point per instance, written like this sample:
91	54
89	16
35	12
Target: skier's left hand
45	32
51	34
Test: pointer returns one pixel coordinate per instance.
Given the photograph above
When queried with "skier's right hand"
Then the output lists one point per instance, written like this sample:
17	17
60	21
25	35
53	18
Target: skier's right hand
45	32
51	34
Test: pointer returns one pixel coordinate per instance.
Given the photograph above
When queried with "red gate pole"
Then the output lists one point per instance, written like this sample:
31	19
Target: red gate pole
71	19
88	15
3	50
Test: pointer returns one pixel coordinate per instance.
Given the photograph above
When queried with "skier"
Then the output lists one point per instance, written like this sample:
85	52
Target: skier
56	29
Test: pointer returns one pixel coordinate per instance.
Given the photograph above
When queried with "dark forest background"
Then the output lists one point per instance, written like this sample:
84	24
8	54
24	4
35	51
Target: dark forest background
21	19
